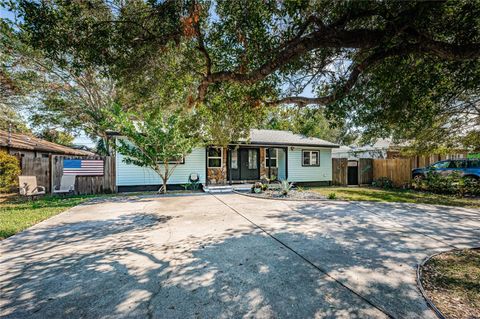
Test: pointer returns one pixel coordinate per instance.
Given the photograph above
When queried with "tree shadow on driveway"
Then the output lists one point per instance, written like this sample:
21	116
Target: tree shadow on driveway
155	264
112	268
374	254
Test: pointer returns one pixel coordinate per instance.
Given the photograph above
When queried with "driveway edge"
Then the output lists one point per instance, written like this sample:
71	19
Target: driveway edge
419	282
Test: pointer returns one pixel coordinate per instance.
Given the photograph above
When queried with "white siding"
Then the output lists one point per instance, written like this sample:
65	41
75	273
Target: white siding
132	175
299	173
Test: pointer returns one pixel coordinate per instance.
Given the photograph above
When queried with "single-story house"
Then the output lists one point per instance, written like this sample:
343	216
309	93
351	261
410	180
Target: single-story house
265	154
27	146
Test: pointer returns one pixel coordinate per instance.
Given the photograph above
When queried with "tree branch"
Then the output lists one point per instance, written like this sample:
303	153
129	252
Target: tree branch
201	47
359	38
350	82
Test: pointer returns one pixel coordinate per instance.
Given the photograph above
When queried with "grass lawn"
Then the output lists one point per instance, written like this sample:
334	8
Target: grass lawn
396	195
16	213
452	282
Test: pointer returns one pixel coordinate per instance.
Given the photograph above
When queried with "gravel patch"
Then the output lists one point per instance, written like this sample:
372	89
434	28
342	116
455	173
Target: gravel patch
292	195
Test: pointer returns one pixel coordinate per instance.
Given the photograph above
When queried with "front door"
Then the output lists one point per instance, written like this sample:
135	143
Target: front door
244	164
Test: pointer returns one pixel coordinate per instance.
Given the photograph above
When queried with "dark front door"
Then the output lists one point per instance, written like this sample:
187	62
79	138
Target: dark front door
244	164
352	173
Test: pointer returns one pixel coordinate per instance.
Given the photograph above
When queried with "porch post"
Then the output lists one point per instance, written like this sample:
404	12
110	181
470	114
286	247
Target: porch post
286	163
269	163
229	166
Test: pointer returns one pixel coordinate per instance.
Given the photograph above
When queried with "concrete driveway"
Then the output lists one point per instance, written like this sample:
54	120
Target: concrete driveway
223	256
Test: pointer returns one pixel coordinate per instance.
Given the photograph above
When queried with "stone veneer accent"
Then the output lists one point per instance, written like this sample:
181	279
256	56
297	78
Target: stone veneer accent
264	167
219	175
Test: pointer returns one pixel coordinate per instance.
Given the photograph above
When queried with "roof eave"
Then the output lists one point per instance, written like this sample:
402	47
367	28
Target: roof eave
287	144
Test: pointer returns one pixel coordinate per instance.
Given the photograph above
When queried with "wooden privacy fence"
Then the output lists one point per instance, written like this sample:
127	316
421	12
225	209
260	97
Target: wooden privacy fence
399	170
49	173
86	184
365	171
39	167
339	171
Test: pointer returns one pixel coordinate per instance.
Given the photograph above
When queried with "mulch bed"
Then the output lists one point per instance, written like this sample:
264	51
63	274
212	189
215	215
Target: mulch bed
292	195
452	281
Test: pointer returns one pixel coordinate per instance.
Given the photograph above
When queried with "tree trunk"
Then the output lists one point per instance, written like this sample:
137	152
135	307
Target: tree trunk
163	189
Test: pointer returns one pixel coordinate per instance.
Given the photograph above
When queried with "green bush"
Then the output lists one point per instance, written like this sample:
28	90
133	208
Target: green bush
468	186
332	196
9	171
383	182
452	184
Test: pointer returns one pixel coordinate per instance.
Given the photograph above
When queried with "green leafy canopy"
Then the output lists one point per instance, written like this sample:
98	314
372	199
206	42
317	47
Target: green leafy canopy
383	68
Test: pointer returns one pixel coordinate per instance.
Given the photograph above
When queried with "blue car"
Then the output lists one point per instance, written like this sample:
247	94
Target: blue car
469	168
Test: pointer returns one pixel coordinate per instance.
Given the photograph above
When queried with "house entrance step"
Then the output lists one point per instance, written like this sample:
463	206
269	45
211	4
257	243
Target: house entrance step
218	189
227	188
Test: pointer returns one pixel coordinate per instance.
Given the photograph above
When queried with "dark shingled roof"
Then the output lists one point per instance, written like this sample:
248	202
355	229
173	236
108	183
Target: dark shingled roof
31	143
287	138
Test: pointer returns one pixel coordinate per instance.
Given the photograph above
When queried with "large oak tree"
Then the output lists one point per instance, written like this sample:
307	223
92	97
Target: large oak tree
387	68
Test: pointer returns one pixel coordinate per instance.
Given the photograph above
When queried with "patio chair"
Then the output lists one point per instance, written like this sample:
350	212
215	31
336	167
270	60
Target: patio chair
28	186
67	185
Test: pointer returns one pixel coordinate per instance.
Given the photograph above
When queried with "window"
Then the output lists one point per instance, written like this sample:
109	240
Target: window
457	164
311	158
234	159
474	164
440	165
215	157
273	157
252	159
177	160
45	155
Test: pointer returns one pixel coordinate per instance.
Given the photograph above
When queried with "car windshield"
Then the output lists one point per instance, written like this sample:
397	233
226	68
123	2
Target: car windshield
440	165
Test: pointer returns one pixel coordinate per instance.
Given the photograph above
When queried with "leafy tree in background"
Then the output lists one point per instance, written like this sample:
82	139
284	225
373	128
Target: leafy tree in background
386	68
309	122
59	98
11	121
56	136
158	140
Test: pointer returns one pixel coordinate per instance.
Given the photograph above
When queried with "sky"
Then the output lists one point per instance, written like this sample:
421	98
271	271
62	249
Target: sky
5	14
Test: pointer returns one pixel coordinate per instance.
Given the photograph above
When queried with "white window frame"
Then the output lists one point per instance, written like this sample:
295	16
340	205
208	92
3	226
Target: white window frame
310	157
275	157
215	157
181	161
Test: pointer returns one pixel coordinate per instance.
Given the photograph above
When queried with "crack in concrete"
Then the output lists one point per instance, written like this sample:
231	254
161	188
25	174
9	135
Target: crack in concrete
325	272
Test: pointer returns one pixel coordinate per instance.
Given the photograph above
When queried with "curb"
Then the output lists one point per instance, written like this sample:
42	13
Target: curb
420	286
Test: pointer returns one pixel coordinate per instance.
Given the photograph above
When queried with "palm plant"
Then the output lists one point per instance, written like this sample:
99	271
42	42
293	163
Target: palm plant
285	187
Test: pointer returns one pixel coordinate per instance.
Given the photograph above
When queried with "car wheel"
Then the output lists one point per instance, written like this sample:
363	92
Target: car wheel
418	177
474	179
417	181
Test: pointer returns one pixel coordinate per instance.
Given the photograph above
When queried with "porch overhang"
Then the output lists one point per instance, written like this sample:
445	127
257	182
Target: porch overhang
280	145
